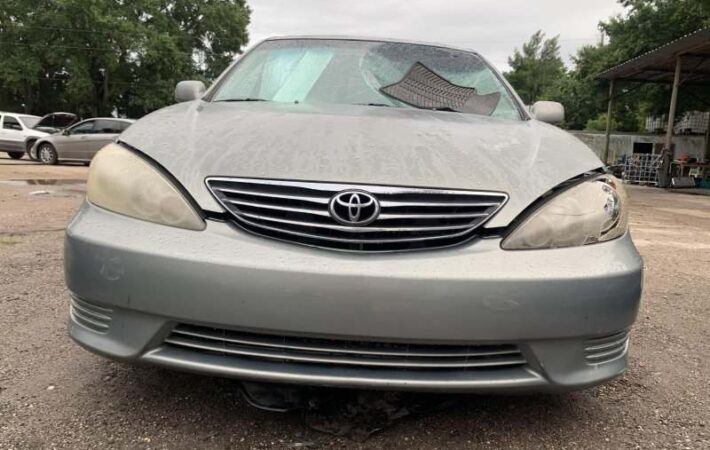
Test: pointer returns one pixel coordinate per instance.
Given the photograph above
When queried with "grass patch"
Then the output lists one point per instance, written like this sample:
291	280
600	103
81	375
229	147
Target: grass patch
8	241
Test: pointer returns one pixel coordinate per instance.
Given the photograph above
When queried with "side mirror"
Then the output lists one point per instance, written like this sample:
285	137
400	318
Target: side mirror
550	112
186	91
65	132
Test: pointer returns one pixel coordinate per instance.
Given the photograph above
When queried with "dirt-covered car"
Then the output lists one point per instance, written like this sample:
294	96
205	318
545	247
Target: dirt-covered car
361	213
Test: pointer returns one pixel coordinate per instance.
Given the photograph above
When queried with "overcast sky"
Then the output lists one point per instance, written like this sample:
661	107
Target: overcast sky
492	27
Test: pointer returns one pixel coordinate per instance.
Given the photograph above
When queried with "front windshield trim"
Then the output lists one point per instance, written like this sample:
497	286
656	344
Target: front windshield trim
219	83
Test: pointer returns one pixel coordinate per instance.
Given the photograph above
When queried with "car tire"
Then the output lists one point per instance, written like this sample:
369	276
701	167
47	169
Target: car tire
47	154
15	155
29	144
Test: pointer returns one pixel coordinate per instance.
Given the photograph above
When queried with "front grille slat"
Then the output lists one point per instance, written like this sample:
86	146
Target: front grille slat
409	218
606	348
352	229
354	241
395	204
93	317
279	208
410	362
432	216
255	193
605	356
283	343
317	186
602	347
86	311
88	321
345	353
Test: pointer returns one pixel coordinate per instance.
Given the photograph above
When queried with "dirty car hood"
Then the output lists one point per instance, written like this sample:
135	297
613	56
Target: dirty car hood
359	144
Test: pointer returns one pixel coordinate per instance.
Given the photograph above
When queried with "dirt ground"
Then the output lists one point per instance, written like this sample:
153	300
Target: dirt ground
54	394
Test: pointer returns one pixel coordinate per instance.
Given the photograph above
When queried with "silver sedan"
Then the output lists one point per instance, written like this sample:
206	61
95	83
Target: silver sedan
362	213
79	142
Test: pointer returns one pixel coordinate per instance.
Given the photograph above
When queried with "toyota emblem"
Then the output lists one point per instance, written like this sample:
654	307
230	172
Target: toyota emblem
354	208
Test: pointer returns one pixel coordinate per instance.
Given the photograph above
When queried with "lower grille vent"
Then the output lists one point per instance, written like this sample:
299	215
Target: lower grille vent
607	348
344	353
95	318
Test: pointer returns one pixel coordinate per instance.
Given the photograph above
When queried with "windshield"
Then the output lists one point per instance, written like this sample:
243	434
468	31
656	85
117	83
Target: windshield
29	121
368	73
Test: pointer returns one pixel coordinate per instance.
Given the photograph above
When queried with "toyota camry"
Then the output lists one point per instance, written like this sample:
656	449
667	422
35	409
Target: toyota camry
356	212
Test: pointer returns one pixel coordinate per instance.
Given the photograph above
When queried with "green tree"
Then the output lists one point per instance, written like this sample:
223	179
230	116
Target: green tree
536	69
96	56
646	25
599	123
579	90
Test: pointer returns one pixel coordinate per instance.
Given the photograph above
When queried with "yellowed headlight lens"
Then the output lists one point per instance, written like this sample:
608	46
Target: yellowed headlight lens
123	182
592	211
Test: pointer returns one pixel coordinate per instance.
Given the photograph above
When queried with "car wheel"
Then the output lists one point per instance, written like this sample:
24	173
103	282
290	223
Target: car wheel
15	155
47	154
29	144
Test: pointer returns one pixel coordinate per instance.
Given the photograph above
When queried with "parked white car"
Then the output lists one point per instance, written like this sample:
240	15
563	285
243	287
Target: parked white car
15	129
19	132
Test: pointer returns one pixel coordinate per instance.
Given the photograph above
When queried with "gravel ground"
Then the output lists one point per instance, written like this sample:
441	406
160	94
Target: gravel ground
53	394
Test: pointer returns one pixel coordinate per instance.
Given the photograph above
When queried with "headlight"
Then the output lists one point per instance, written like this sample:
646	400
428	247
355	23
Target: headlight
125	183
592	211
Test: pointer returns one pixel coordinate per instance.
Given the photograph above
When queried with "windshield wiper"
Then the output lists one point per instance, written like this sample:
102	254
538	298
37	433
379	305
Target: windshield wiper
247	99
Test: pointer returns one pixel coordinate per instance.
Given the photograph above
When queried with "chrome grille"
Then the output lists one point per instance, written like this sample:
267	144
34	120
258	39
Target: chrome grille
607	348
409	218
332	352
88	315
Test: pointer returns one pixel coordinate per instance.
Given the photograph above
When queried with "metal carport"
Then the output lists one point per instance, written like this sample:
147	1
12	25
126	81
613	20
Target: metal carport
684	61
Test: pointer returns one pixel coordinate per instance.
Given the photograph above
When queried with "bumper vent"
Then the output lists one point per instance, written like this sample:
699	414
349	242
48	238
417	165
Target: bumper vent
607	348
408	219
344	353
95	318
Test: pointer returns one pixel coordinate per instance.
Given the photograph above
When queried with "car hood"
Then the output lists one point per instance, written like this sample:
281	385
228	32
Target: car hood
53	122
360	144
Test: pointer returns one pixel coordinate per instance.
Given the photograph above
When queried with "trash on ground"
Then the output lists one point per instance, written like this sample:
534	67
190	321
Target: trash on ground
340	412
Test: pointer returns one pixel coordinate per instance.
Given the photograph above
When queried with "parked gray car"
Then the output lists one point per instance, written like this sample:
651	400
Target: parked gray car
357	213
79	142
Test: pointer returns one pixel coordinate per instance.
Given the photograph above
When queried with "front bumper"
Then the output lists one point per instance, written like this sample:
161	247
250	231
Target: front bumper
550	304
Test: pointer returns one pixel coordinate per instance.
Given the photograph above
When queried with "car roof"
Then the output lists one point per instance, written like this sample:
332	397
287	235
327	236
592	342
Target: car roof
17	114
109	118
336	37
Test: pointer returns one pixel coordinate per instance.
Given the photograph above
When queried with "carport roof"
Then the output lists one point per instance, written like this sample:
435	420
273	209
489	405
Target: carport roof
658	66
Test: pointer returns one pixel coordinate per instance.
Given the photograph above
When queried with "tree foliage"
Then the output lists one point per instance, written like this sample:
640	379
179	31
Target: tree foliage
94	57
536	68
585	96
645	25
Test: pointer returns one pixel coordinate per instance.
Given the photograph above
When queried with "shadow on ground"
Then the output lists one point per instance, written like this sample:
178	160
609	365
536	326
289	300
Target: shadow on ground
196	403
